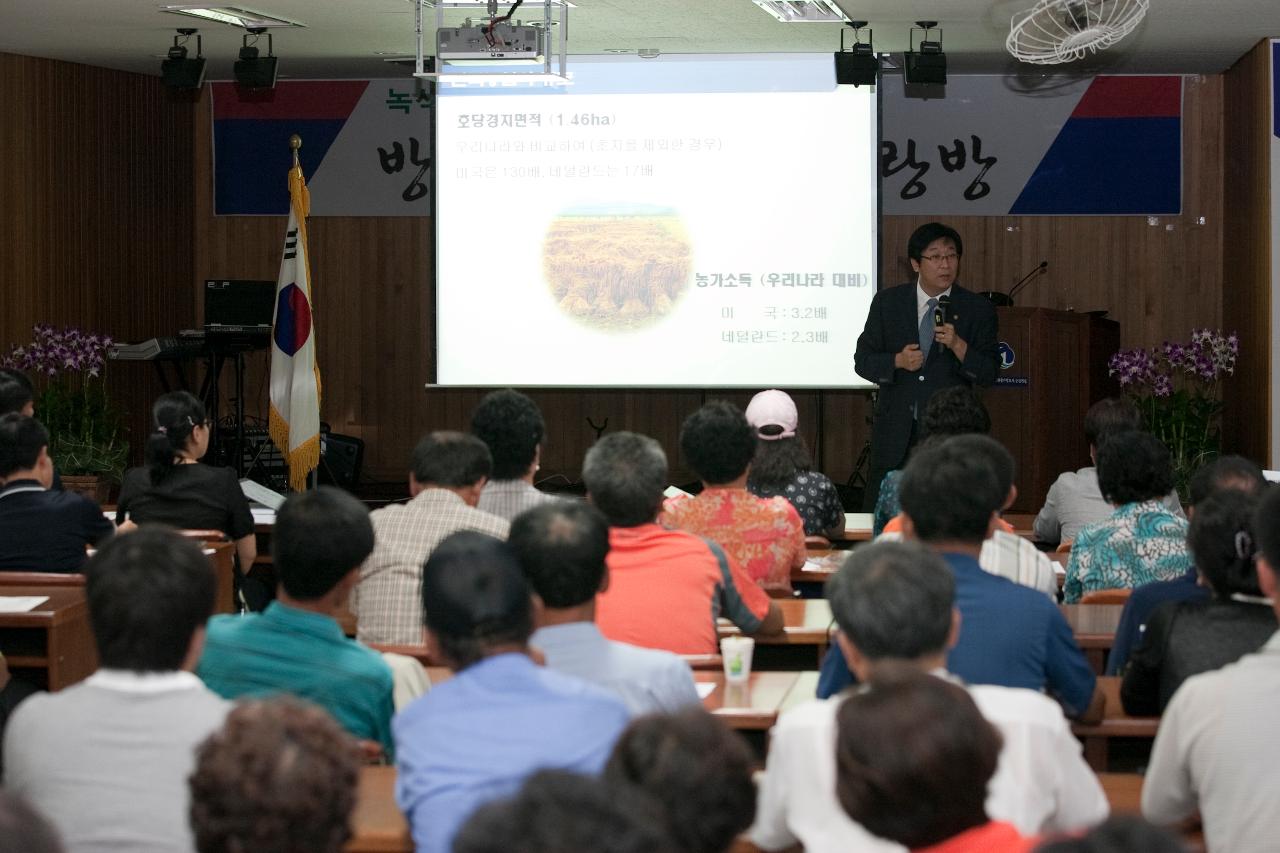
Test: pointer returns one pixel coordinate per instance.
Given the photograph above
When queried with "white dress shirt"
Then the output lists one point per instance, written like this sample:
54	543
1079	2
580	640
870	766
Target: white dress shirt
1217	751
1042	783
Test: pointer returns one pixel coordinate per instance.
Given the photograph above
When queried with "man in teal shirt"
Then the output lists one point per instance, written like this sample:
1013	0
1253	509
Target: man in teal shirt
296	646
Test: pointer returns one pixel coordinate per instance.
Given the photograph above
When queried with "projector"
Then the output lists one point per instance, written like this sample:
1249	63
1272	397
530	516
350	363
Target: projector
509	42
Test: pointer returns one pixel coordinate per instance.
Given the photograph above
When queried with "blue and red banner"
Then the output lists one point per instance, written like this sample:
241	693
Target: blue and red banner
1092	147
365	143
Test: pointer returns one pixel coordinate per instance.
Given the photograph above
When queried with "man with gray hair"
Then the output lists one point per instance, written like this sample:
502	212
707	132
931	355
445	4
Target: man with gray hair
666	587
895	604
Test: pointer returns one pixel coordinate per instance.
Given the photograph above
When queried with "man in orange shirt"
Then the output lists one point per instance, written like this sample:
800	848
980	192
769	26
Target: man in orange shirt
666	587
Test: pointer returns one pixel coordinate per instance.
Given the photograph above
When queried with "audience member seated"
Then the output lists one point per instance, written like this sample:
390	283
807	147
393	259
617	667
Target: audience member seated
559	812
895	606
1225	472
477	736
697	769
449	471
1219	739
1141	541
1075	498
278	777
950	412
1013	635
562	548
913	759
23	829
764	535
783	467
666	587
1008	554
108	759
18	397
41	530
510	424
296	646
176	489
1119	834
1183	639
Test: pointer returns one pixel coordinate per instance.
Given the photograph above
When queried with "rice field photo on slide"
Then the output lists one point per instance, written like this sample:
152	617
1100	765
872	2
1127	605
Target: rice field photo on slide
617	267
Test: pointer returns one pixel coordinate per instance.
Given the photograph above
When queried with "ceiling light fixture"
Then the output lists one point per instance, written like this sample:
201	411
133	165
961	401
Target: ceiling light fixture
803	11
178	71
857	64
235	16
926	64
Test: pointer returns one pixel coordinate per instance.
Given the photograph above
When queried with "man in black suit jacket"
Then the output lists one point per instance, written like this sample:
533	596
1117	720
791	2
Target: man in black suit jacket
909	356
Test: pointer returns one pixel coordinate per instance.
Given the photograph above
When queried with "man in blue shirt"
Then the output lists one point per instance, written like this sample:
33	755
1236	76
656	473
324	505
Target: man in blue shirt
41	530
1012	635
295	646
477	736
562	548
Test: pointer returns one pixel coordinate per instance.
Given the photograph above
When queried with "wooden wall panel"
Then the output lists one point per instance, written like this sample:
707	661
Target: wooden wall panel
95	210
374	310
1246	258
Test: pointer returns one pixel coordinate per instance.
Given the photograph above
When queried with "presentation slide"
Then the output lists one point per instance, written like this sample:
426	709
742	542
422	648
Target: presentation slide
676	222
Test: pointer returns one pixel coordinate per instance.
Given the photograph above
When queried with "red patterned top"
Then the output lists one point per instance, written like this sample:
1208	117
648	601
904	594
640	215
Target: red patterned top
764	535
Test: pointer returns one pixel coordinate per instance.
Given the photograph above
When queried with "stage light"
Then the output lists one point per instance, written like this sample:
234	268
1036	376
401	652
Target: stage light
178	71
926	64
251	70
857	65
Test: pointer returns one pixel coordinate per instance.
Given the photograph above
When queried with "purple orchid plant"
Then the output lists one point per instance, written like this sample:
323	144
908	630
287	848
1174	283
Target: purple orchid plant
1177	386
86	432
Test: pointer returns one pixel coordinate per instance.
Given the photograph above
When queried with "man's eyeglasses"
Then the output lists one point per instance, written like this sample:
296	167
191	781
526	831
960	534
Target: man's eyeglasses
949	258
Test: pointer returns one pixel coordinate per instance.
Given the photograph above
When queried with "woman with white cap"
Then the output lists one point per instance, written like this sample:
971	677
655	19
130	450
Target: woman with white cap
782	465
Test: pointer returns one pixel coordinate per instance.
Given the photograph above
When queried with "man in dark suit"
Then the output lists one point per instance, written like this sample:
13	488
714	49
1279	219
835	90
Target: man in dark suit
921	337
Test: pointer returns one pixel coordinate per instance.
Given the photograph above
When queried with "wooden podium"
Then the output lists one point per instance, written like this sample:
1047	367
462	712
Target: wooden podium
1054	366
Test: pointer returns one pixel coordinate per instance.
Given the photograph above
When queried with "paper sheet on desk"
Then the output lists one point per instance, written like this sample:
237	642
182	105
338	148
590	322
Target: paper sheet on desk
705	688
21	603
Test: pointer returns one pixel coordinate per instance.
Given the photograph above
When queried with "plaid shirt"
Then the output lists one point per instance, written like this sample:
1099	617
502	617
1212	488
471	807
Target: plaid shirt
508	498
387	602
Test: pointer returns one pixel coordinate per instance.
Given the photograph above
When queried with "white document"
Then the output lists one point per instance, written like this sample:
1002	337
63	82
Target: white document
21	603
705	688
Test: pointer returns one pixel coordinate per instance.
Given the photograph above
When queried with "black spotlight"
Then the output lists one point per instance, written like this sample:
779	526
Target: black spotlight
857	64
251	70
178	71
926	65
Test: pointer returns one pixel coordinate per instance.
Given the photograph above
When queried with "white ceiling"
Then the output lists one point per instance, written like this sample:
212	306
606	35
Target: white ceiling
343	37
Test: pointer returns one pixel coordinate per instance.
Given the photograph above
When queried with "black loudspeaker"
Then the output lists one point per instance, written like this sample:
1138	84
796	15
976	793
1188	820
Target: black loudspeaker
926	68
257	73
183	73
341	457
858	69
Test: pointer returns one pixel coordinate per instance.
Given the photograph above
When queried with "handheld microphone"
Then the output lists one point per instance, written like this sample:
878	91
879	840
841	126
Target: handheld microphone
942	313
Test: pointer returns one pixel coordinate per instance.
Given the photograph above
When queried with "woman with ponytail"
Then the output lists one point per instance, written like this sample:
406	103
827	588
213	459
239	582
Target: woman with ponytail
1182	639
175	489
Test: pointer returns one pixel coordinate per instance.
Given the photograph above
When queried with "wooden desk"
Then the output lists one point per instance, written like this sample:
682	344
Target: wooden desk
377	826
1094	627
53	641
808	623
1115	723
857	527
821	564
1124	792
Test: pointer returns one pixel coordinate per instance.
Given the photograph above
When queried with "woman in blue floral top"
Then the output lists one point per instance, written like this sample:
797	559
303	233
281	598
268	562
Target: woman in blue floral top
1141	541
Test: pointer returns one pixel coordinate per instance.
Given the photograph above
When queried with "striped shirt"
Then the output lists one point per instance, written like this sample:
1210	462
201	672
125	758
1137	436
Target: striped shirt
387	602
508	498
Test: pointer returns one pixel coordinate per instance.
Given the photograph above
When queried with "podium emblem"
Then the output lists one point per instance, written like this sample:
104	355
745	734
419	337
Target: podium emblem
1006	356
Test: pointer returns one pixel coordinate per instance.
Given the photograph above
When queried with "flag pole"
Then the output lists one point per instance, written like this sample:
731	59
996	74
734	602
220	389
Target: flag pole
295	143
